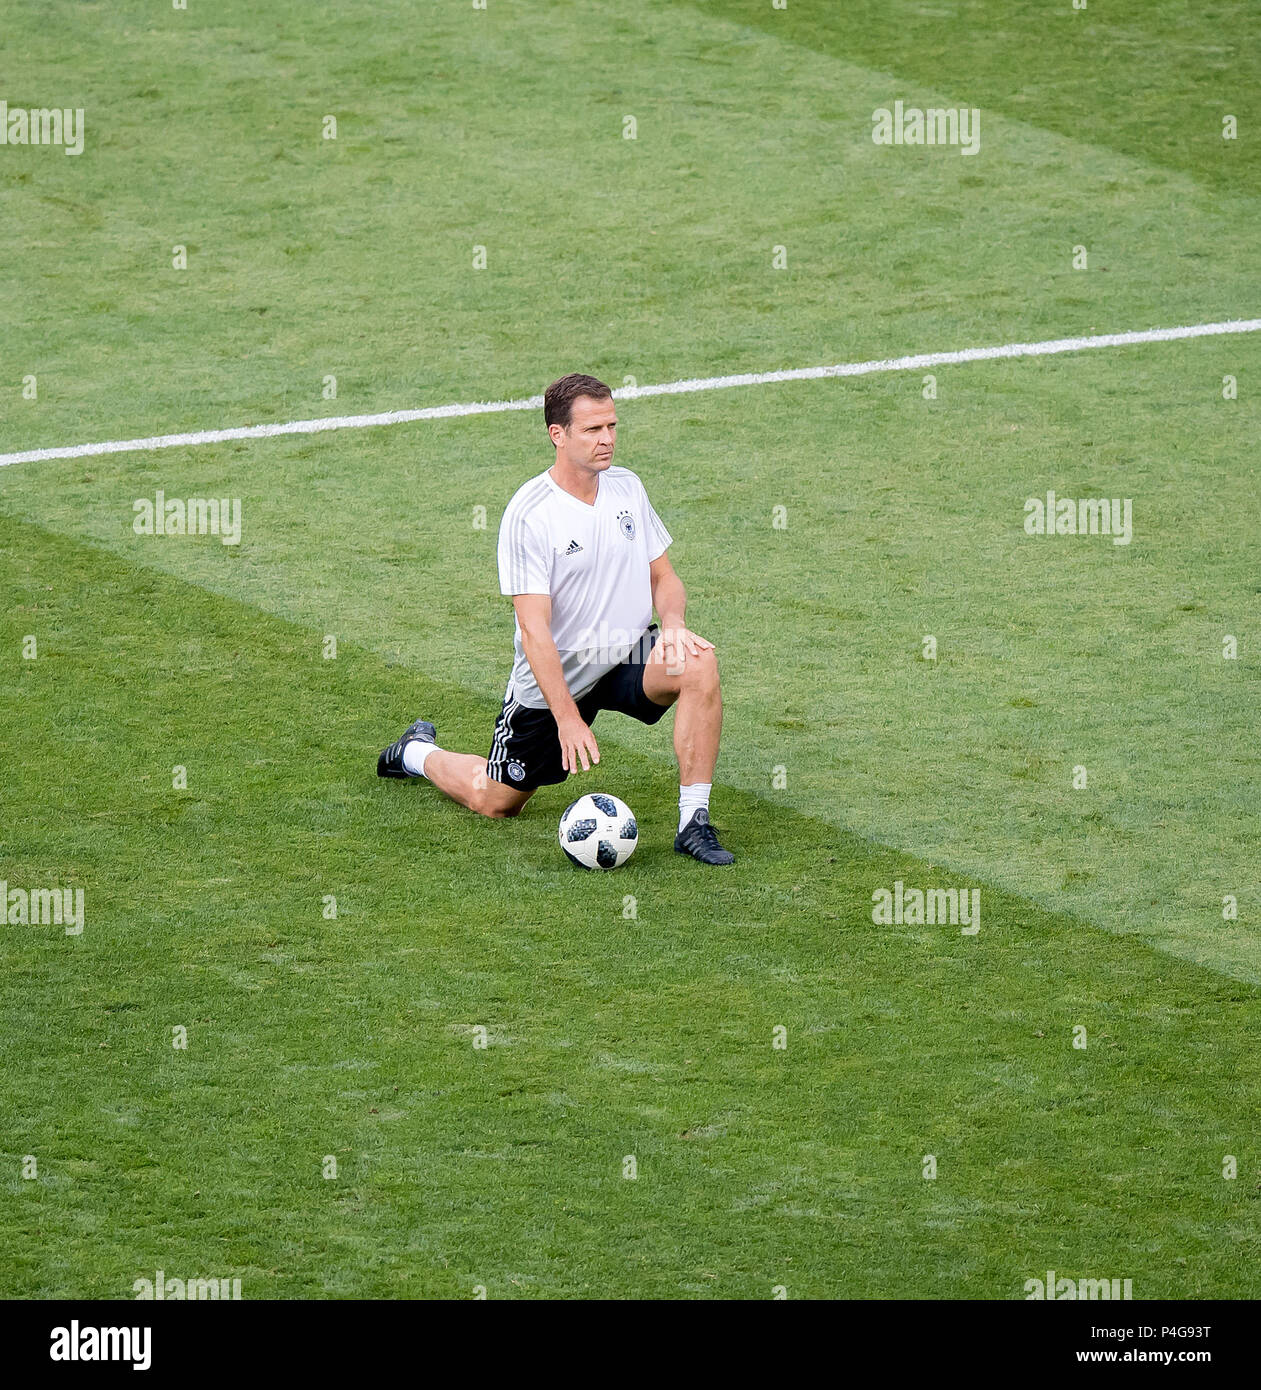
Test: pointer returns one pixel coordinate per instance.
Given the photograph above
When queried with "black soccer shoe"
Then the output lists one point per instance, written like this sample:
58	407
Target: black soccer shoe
699	839
390	763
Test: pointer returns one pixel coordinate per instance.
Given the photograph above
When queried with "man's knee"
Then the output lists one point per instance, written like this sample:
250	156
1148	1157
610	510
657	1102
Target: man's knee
493	799
701	672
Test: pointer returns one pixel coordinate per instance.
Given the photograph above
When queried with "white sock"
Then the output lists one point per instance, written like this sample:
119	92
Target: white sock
692	799
415	755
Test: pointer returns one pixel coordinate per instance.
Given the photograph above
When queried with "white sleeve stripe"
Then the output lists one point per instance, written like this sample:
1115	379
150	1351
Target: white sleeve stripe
515	523
520	559
518	555
514	563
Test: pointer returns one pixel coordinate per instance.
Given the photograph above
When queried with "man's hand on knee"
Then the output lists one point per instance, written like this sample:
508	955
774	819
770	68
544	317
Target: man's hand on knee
677	644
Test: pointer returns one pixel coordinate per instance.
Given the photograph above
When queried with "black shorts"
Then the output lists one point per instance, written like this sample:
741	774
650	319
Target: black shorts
525	752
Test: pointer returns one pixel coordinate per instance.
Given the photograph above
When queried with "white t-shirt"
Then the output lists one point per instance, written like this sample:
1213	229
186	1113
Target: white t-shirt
593	561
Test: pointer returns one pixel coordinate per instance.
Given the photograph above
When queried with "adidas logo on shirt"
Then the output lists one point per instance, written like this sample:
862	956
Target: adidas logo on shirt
573	548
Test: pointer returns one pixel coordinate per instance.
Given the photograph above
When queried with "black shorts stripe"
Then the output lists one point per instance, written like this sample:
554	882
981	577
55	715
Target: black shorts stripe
503	734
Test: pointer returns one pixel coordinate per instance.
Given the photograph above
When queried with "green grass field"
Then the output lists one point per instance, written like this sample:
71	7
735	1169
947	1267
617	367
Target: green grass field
849	761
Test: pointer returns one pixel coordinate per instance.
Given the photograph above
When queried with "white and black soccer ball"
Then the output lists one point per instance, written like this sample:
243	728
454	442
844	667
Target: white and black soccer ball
598	831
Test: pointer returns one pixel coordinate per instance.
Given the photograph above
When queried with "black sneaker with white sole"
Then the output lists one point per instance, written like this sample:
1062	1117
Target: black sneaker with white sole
699	839
390	763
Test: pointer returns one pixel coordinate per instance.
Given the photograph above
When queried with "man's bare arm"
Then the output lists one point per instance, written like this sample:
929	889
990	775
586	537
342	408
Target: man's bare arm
577	742
669	598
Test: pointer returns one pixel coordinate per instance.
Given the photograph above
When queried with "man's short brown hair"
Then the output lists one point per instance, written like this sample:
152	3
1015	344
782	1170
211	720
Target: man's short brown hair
558	399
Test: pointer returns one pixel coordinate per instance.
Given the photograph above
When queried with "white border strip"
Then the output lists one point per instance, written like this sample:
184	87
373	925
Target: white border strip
670	388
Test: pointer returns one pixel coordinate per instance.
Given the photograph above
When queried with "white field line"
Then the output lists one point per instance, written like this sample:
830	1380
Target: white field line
626	393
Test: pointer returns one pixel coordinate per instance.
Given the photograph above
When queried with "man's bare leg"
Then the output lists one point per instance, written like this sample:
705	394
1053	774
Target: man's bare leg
698	720
697	694
692	685
462	776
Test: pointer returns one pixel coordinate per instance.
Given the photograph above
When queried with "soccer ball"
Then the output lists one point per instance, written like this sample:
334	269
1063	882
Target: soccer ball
598	831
